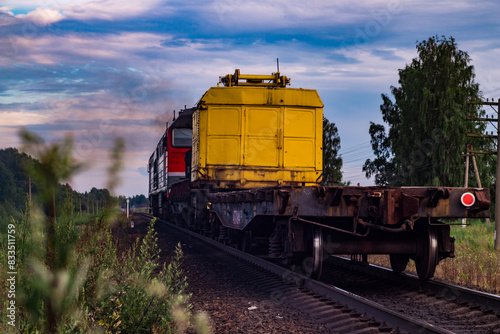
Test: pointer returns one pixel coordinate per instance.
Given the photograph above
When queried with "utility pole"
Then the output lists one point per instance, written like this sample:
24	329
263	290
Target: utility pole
128	201
497	190
466	183
497	137
476	172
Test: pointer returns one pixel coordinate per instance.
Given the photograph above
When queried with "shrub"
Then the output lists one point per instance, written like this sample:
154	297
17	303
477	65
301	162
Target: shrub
144	294
71	278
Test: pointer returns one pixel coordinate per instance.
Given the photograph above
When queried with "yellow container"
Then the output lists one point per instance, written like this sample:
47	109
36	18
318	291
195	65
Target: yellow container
249	137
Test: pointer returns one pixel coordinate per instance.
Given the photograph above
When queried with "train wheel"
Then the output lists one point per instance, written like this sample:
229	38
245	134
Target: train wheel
426	258
313	264
398	262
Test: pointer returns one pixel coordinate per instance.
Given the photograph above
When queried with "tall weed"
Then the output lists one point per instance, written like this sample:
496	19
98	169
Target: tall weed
71	277
476	262
145	293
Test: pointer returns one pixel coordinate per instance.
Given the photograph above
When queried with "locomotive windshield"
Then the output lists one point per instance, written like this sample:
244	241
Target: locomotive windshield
181	137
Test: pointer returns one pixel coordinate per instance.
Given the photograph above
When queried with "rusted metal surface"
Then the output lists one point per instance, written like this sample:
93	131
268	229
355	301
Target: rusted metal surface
353	220
384	206
372	247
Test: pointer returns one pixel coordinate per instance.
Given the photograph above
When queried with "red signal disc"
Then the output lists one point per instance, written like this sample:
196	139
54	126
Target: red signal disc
468	199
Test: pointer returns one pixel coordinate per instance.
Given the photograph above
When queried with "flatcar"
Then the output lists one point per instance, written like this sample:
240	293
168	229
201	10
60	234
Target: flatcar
244	166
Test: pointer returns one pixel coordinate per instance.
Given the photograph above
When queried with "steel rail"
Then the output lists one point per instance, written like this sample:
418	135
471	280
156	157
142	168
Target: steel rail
444	290
360	304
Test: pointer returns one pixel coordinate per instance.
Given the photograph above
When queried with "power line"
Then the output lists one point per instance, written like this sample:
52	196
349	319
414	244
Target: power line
357	153
497	190
355	148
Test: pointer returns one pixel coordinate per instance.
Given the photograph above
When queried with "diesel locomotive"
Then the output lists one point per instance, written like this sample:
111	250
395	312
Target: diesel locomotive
244	166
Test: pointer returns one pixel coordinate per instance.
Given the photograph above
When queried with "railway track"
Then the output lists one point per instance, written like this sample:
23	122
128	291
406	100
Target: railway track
344	302
455	308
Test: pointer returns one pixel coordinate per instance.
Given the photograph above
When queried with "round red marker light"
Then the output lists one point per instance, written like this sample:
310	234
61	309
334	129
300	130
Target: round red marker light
468	199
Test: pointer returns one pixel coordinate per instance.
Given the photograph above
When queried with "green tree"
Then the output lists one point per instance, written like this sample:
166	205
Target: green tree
426	134
332	161
136	200
14	177
8	189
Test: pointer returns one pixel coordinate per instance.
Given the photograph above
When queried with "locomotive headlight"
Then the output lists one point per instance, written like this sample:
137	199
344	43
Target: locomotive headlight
468	199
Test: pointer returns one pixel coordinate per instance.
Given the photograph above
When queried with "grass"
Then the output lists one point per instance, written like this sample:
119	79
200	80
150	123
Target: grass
476	262
98	287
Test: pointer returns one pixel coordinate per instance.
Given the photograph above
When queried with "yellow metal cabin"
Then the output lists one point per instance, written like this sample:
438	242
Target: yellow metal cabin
257	133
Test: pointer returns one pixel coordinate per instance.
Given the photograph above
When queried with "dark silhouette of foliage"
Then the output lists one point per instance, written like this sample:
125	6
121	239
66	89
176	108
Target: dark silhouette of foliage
332	161
425	137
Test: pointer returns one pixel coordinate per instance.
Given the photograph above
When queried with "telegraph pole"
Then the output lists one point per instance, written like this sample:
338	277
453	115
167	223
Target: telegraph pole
497	137
466	183
128	201
497	190
476	172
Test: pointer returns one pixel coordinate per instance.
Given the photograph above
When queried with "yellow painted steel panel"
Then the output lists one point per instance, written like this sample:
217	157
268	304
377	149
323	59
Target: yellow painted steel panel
299	153
262	96
223	136
300	143
319	141
300	123
228	177
201	129
223	150
195	155
261	136
224	121
262	122
261	151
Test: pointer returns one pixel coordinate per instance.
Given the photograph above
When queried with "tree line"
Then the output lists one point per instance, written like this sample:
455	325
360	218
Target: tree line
134	201
15	189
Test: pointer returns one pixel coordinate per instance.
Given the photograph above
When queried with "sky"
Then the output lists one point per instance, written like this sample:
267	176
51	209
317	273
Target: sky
103	69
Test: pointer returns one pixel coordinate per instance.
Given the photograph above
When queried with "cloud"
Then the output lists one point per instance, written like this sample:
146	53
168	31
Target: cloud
6	10
7	20
15	119
257	15
79	49
42	16
109	10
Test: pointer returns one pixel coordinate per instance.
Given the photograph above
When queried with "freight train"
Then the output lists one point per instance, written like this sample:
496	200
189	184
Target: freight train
244	166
